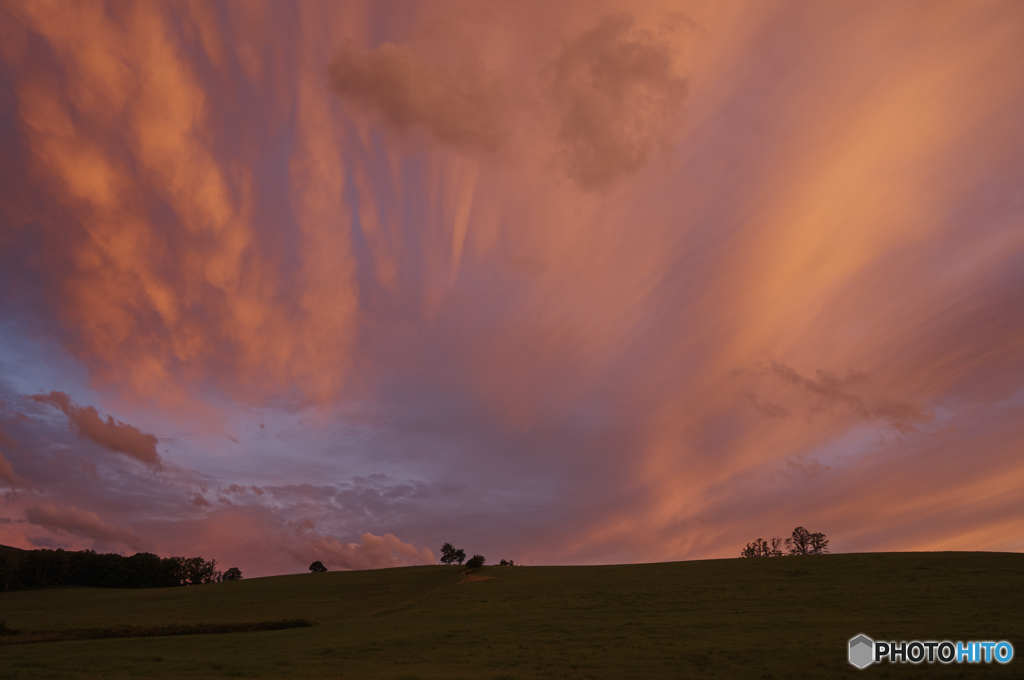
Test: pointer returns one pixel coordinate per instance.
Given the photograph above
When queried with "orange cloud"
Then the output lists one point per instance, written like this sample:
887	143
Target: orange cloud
552	248
165	248
239	535
370	552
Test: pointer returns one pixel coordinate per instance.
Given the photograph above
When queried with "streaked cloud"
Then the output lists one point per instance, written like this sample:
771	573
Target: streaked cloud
567	282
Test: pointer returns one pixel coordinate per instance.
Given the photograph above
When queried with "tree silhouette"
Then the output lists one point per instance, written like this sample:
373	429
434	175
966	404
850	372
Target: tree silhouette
317	567
475	562
762	548
450	554
232	574
819	543
198	571
800	542
804	542
44	568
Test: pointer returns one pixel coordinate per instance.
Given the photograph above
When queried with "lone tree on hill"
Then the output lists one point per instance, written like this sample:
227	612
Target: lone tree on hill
475	562
317	567
450	554
232	574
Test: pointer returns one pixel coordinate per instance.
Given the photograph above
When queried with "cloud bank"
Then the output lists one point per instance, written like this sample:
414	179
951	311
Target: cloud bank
559	283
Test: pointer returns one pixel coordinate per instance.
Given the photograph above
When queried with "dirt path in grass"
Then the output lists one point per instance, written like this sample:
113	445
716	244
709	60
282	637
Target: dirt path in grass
474	578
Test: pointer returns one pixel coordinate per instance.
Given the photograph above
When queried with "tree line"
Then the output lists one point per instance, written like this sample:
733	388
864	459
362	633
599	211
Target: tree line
452	555
801	542
21	569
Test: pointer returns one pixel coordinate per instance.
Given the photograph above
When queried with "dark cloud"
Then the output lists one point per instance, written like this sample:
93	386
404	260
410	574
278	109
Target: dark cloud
112	434
620	99
851	393
301	492
457	107
607	101
768	408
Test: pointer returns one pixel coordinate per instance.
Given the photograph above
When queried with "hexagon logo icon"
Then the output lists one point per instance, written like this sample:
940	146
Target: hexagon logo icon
862	651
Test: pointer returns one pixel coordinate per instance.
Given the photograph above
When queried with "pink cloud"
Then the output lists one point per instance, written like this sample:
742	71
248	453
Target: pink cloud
262	542
111	434
624	285
80	523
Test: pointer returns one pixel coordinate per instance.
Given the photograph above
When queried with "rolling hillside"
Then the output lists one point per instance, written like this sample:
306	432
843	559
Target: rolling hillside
780	618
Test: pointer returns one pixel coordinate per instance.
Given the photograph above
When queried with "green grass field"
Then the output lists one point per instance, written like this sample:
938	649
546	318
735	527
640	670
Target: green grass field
782	618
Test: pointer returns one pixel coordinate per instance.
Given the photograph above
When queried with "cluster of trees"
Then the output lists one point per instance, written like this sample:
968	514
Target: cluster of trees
452	555
802	542
317	567
44	568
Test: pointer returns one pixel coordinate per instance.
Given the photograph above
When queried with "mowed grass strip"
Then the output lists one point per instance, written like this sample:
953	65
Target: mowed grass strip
14	637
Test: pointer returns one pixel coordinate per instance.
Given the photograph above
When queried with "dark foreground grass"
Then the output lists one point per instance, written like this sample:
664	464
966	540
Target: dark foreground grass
785	618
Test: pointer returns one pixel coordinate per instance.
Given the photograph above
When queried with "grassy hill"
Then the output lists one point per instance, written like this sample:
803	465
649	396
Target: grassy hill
778	618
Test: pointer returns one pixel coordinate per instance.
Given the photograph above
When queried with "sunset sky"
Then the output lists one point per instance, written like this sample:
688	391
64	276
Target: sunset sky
563	282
